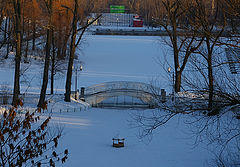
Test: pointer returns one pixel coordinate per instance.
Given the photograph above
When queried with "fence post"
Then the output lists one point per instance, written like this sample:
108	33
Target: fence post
82	94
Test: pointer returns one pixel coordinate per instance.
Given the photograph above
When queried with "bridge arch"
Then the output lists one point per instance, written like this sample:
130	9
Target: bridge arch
97	95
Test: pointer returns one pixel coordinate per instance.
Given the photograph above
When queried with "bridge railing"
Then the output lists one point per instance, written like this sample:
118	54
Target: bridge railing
116	85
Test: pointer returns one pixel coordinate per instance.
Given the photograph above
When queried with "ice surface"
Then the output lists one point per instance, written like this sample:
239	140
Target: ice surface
88	136
88	133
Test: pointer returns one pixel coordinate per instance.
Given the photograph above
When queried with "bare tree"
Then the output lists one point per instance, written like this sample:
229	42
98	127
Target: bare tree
212	28
172	15
75	42
49	5
211	105
26	139
17	4
72	52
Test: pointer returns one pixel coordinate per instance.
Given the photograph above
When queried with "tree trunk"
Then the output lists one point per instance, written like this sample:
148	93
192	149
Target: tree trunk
34	35
210	73
7	52
16	90
46	68
71	57
8	36
64	44
18	29
5	28
53	63
47	59
178	79
177	84
27	44
210	84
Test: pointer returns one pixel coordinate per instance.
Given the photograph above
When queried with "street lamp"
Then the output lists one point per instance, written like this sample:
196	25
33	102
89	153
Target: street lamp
76	70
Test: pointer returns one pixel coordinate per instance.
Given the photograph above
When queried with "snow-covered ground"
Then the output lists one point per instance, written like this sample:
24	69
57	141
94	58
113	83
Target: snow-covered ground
121	58
88	136
88	133
104	58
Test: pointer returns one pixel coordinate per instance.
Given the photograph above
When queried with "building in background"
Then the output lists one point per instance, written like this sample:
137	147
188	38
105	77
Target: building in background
118	16
137	21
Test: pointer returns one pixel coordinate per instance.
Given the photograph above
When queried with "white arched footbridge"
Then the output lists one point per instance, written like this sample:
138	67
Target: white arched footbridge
121	94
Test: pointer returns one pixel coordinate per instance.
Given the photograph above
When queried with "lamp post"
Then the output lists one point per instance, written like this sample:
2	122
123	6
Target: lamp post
76	70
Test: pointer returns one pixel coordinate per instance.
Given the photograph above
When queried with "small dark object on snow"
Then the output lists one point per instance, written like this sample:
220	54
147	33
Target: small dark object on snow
118	142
